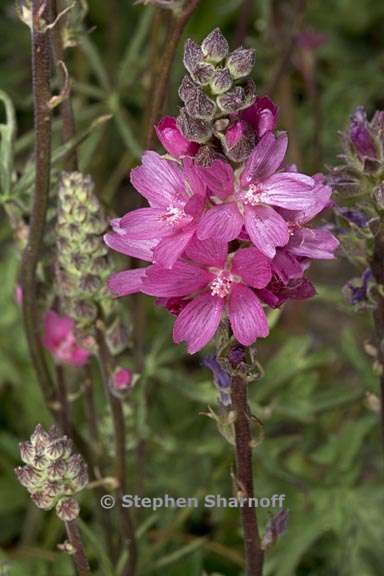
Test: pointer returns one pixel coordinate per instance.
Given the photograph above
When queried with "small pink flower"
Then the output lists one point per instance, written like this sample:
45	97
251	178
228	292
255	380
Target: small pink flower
262	115
122	379
217	284
252	200
173	140
59	339
176	195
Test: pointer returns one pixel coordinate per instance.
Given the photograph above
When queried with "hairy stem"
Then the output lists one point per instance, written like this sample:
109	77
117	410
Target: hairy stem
66	111
106	367
177	26
32	253
244	476
79	558
377	266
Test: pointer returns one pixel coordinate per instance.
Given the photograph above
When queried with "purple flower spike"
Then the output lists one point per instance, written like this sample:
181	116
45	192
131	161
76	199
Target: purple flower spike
357	289
361	137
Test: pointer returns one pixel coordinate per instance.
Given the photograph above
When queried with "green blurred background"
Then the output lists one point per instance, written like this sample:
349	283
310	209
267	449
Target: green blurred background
316	400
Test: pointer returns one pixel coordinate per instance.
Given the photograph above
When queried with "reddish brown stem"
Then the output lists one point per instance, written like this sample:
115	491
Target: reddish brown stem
106	366
244	21
254	555
32	254
79	558
176	29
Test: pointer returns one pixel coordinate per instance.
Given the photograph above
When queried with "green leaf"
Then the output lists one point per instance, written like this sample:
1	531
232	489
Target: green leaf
7	136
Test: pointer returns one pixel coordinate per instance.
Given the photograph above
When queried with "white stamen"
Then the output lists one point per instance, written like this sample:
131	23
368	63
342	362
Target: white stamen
221	286
173	215
253	195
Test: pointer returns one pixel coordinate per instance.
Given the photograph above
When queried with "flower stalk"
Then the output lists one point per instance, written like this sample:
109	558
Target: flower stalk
244	476
32	253
79	558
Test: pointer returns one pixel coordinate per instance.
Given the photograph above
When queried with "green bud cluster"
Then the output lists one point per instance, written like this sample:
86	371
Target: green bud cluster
216	86
83	263
52	473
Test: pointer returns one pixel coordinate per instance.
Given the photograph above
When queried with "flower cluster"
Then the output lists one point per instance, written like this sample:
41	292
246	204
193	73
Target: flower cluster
360	199
52	473
223	237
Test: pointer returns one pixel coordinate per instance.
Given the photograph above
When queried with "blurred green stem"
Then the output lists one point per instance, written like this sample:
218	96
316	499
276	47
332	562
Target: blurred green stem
66	112
106	367
79	558
32	253
177	26
254	555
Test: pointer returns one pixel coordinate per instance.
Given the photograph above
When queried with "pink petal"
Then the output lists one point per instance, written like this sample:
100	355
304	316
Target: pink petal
266	228
253	267
286	266
182	280
173	140
262	115
141	249
222	222
160	181
219	178
126	282
207	252
198	321
79	356
247	317
289	190
313	243
56	328
265	159
146	224
193	178
169	250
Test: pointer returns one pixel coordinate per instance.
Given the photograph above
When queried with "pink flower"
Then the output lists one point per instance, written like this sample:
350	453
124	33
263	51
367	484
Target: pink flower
262	115
176	195
59	339
173	140
219	284
121	380
252	199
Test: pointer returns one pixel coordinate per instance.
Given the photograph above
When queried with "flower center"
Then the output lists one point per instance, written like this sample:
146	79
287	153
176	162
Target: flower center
173	215
293	227
222	284
253	195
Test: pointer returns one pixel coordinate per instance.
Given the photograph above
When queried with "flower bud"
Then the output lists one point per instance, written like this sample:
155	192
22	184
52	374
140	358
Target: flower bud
75	465
262	116
241	62
215	46
361	137
173	139
239	141
203	73
197	103
67	509
221	81
193	55
194	129
28	477
39	439
27	452
57	470
43	500
239	98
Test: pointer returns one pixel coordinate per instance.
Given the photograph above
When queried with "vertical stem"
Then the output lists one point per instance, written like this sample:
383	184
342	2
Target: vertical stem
79	558
377	266
253	552
177	27
106	367
65	418
244	21
66	111
32	254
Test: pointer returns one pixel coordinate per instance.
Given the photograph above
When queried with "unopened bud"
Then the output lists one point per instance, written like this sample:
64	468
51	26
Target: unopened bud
221	81
215	46
67	509
43	500
241	62
193	55
197	103
194	129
